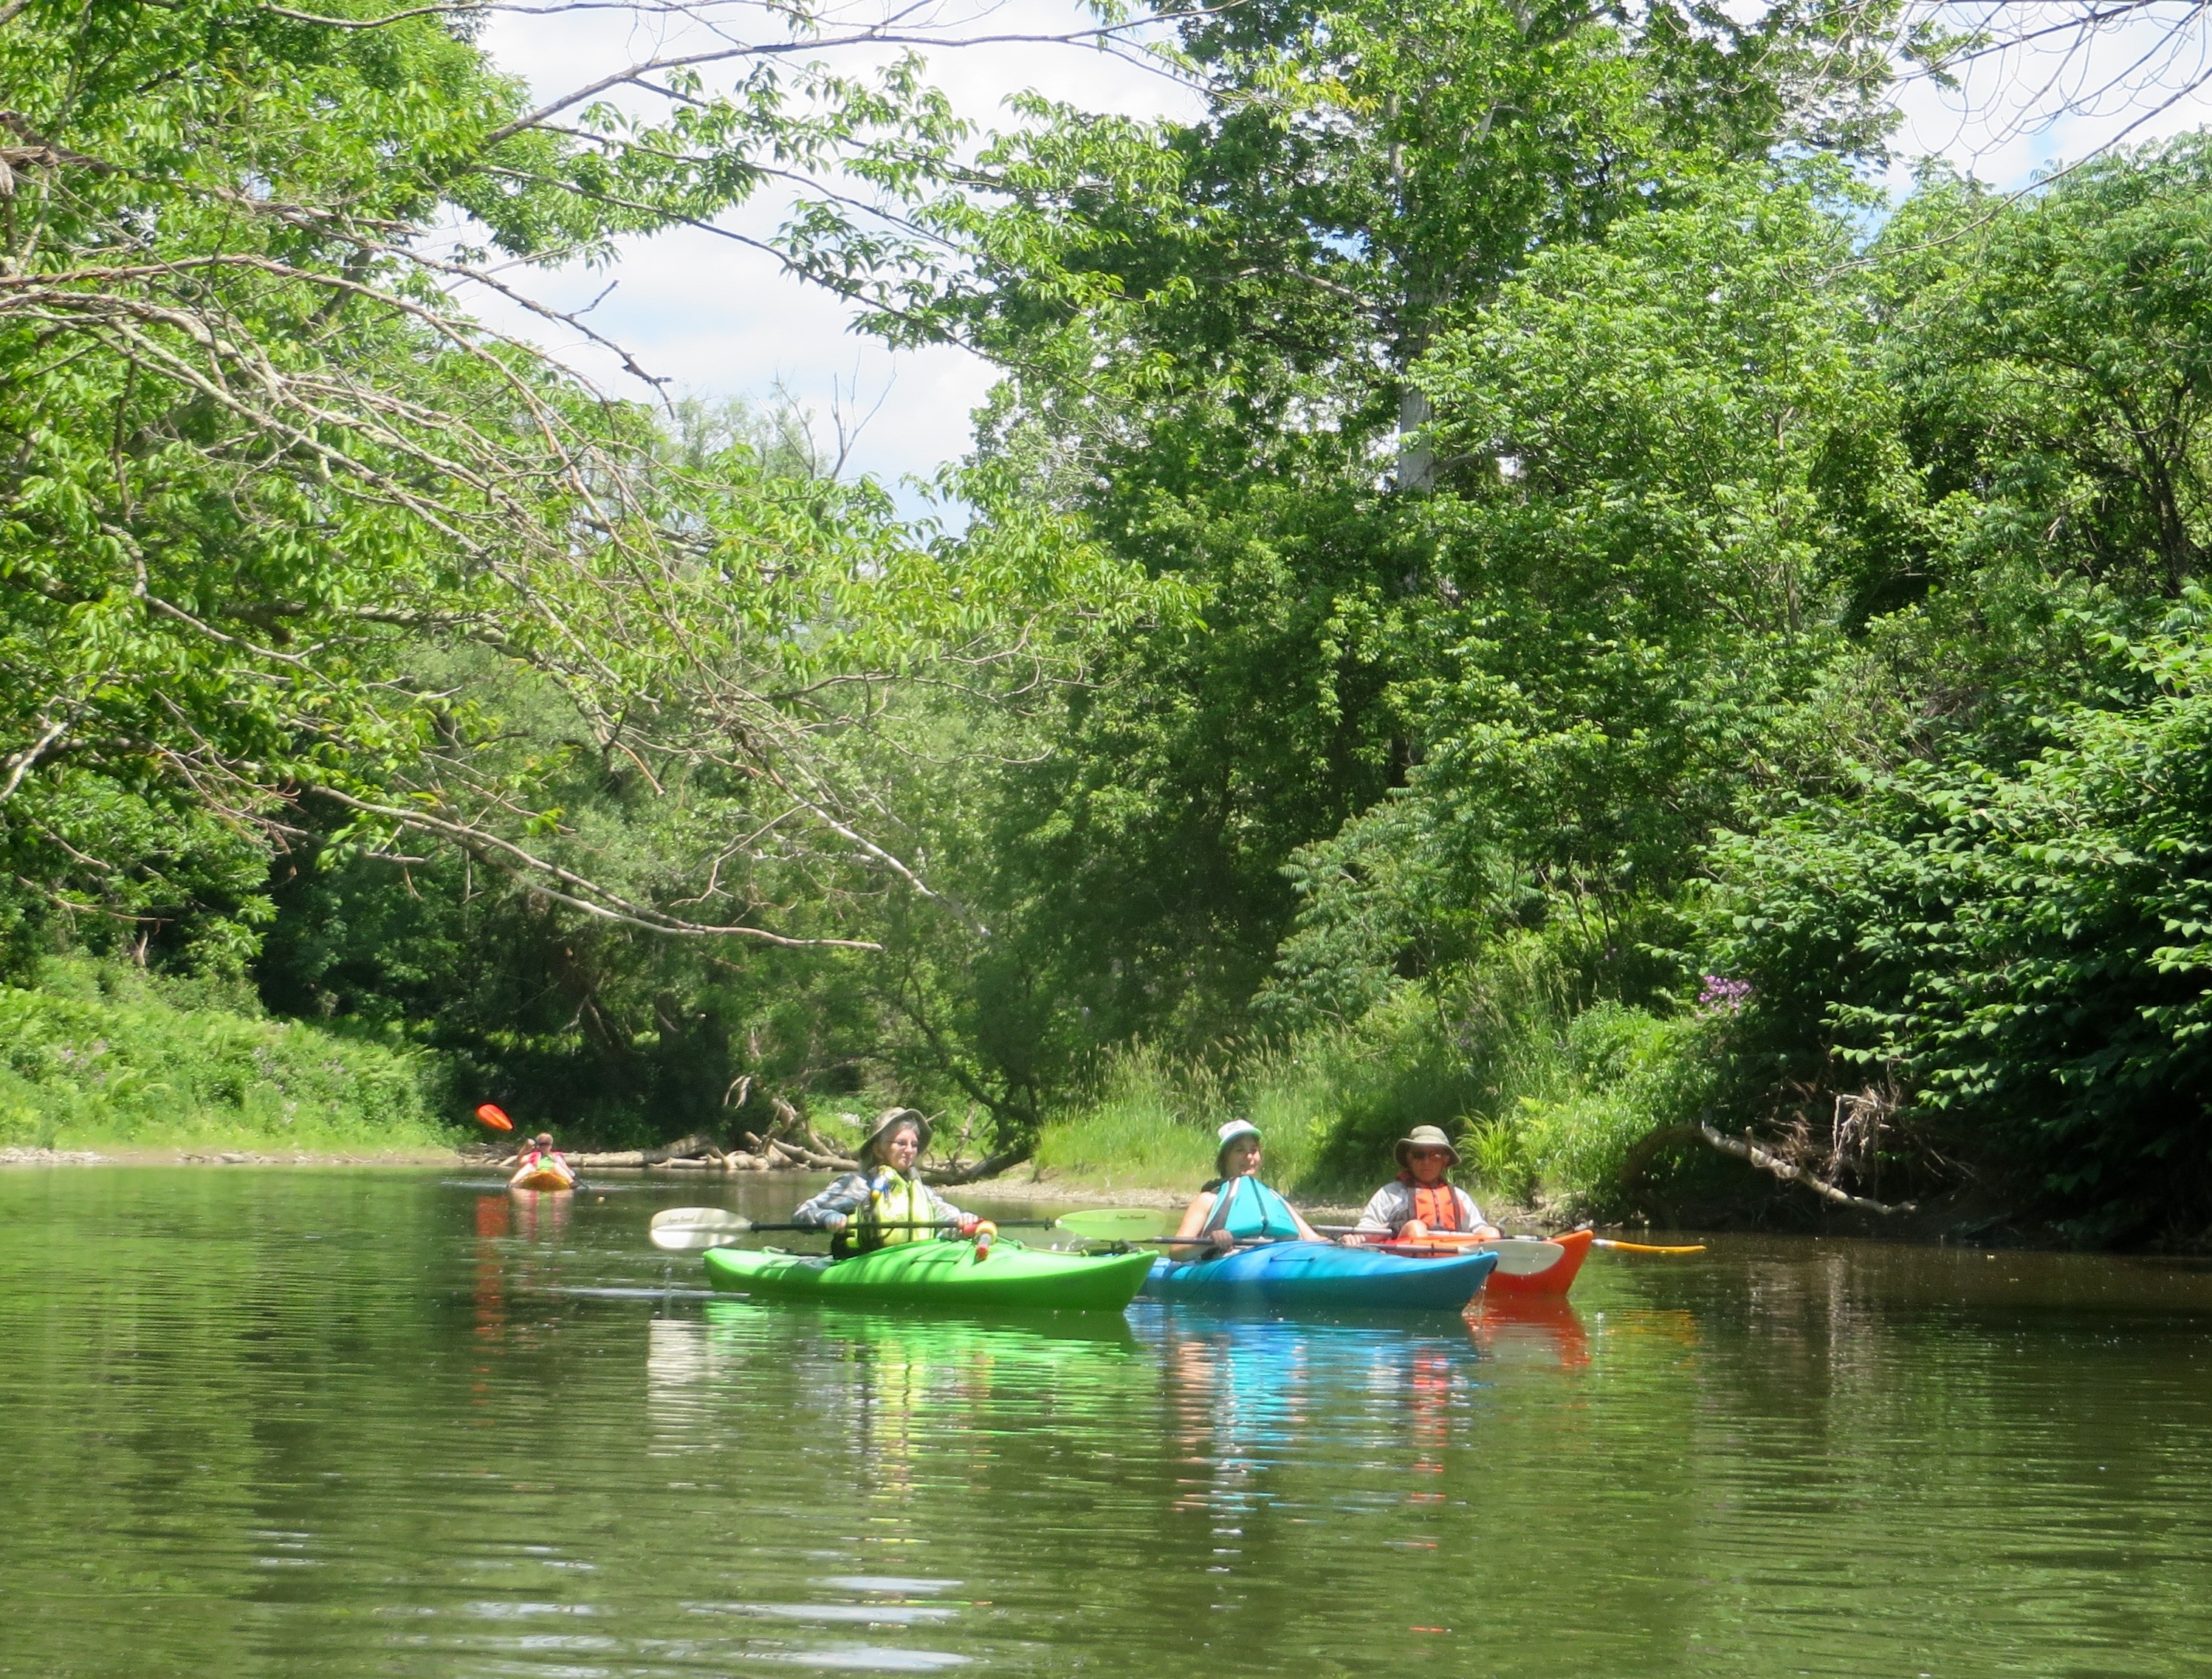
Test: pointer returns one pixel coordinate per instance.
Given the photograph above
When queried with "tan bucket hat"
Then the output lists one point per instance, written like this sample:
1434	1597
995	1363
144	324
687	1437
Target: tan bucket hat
1425	1136
889	1119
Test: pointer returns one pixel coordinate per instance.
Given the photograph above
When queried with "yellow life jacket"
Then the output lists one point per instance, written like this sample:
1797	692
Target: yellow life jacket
893	1199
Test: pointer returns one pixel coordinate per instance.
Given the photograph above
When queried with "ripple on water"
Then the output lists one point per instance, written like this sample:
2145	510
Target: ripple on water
465	1435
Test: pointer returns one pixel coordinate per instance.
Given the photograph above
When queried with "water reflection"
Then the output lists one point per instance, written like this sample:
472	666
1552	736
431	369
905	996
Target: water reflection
1531	1328
291	1422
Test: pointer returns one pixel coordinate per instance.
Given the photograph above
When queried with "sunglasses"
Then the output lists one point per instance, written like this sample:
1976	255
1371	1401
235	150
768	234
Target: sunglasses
1428	1154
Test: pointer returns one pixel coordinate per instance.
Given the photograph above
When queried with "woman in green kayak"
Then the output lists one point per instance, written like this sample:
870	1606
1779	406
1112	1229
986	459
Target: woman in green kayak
885	1201
1236	1206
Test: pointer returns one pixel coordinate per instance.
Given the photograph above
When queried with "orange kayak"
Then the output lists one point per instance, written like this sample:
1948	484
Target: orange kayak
545	1177
1556	1279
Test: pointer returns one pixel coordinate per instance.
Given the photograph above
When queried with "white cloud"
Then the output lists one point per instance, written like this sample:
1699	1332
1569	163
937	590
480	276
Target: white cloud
717	318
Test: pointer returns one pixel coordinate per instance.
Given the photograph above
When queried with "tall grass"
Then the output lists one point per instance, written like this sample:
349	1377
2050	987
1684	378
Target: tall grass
1544	1100
100	1054
1150	1126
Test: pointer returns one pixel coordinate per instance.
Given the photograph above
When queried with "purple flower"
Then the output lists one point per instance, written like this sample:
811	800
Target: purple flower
1723	995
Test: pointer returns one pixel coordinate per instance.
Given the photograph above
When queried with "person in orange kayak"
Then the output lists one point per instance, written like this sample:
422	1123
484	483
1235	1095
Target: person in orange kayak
1235	1205
1419	1201
885	1202
539	1155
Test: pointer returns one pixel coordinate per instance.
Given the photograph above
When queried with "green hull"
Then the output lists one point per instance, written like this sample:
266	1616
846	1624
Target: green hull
1011	1278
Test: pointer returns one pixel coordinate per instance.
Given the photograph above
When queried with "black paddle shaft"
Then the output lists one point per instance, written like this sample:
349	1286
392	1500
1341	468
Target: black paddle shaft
850	1225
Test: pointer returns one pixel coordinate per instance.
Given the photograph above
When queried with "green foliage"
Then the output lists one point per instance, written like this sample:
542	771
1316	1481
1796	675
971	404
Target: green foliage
98	1055
2056	363
2024	947
1672	470
1212	329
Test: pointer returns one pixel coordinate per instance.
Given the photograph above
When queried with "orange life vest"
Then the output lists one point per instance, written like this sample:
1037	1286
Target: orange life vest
1437	1206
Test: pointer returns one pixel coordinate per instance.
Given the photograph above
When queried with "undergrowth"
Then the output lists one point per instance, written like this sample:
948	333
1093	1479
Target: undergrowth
1544	1100
103	1053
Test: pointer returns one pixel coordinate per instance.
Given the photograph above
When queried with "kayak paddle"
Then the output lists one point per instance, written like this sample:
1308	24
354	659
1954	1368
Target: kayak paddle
693	1229
1517	1255
1640	1247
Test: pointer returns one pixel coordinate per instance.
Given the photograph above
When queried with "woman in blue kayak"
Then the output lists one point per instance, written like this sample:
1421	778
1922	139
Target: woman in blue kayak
885	1201
1236	1206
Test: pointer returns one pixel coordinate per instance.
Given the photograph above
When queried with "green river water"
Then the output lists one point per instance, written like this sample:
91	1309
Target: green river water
300	1421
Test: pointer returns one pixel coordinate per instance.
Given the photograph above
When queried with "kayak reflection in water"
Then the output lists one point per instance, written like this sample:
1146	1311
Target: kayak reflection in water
885	1202
542	1166
1236	1206
1419	1201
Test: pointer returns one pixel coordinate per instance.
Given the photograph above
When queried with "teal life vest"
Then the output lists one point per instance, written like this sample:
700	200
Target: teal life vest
1246	1207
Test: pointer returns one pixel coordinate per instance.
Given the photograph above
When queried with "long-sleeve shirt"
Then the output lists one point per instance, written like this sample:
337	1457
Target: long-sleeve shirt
854	1191
1392	1205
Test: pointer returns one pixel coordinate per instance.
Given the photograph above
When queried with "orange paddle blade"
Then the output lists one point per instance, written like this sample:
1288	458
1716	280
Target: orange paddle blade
493	1118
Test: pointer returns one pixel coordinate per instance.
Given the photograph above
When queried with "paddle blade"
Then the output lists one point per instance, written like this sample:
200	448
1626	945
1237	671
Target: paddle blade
696	1229
492	1116
1524	1259
1114	1224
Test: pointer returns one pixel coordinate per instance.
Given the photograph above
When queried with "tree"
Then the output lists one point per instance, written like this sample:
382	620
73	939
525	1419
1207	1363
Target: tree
264	478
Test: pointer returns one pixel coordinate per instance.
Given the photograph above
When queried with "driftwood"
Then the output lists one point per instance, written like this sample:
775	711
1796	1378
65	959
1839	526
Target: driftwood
772	1154
684	1148
1648	1147
989	1167
808	1158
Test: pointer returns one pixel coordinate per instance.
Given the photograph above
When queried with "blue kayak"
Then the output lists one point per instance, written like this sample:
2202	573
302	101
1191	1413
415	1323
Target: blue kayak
1318	1276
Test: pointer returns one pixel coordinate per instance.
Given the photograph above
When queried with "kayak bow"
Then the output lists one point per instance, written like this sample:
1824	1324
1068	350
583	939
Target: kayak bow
1567	1253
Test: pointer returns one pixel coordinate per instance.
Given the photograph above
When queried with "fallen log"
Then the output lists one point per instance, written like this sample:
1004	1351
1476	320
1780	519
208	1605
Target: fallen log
807	1158
627	1157
974	1173
1743	1149
684	1148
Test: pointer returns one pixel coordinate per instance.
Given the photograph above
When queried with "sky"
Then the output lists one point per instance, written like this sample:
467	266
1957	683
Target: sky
717	318
721	319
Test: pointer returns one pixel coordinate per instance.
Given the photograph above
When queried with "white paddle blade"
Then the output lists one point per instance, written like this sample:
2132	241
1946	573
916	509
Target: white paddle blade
1115	1223
1524	1259
695	1229
683	1239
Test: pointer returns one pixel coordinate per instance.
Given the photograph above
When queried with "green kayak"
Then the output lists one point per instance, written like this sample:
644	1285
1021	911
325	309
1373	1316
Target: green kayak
1009	1278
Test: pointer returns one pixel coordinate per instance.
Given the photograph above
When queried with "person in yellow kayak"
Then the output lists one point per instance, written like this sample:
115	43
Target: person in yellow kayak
539	1161
885	1202
1419	1201
1236	1206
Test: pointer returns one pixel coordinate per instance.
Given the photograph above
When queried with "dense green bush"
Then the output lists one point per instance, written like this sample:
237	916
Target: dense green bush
2026	948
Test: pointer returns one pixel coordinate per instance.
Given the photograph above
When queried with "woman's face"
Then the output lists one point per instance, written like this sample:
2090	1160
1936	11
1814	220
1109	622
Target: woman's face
1427	1164
899	1150
1241	1158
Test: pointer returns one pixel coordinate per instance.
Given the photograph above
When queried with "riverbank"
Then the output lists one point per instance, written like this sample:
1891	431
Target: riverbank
102	1058
206	1156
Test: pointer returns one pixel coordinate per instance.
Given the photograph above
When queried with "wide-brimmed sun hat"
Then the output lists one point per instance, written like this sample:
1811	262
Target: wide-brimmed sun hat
1228	1134
1425	1136
889	1120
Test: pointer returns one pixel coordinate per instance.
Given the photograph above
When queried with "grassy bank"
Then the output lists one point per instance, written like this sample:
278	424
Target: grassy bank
98	1055
1544	1102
